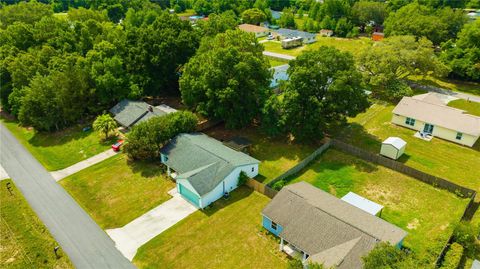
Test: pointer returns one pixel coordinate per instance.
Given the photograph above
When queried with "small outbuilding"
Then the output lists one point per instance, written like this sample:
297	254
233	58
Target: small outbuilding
326	32
363	203
393	147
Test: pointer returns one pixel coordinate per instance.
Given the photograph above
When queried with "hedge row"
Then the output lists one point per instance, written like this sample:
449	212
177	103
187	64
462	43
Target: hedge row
453	257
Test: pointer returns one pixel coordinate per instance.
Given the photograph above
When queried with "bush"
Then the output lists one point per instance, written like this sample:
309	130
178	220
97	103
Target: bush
453	257
242	179
147	138
295	264
279	185
465	234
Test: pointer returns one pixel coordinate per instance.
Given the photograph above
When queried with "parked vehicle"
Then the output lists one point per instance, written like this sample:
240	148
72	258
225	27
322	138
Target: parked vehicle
116	146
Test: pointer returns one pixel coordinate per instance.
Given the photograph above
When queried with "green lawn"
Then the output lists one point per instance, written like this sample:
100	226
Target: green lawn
469	106
59	150
187	13
25	242
277	155
353	45
276	62
227	235
116	191
449	84
438	157
426	213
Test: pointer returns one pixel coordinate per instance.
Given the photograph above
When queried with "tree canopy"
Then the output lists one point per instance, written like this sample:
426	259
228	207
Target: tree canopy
388	64
227	79
145	139
324	88
463	55
438	25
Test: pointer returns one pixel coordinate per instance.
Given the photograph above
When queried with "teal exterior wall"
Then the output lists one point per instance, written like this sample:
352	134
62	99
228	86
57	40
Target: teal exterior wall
267	224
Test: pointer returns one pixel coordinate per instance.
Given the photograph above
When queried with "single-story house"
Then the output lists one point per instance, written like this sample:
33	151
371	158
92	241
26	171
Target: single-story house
279	74
393	147
324	229
307	37
259	31
276	14
475	264
326	32
205	169
429	114
128	113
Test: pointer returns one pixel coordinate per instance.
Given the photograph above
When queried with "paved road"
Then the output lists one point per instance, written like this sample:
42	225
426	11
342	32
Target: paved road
278	55
80	237
460	95
61	174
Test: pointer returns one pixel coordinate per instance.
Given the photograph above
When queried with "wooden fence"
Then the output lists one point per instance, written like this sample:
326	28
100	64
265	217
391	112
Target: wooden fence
404	169
297	168
261	188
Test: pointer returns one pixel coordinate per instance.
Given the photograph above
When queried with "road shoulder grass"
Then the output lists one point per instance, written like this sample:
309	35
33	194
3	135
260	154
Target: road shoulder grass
25	241
426	213
227	235
117	191
61	149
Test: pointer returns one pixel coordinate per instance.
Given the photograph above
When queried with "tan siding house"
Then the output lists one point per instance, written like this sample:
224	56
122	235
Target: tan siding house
424	113
259	31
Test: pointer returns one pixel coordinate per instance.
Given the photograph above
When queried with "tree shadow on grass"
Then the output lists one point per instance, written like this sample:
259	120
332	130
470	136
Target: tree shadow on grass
147	169
235	196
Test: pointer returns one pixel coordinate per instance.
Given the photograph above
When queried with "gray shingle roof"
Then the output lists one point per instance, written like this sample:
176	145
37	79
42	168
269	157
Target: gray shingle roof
279	74
129	113
294	33
317	222
202	160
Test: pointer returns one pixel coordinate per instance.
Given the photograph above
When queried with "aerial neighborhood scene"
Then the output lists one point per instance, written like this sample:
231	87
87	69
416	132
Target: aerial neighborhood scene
257	134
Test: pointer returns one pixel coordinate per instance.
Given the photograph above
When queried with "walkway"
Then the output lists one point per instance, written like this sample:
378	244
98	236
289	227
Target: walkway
143	229
61	174
278	55
80	237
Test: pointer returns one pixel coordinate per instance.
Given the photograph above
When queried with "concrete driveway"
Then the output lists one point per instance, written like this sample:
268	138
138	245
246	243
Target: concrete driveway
141	230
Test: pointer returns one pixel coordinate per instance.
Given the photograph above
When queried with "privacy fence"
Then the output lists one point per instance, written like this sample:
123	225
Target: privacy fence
297	168
378	159
404	169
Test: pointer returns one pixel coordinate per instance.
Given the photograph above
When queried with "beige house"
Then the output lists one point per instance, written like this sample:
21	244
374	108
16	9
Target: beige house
259	31
429	114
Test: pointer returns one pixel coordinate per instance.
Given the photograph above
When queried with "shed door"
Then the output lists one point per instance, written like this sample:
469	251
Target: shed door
189	195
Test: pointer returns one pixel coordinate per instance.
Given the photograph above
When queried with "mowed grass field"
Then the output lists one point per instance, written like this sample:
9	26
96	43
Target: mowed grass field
437	157
469	106
25	242
352	45
276	62
276	155
227	235
116	191
61	149
426	213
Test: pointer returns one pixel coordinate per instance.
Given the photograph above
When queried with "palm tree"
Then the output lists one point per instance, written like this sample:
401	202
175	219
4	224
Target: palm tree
104	124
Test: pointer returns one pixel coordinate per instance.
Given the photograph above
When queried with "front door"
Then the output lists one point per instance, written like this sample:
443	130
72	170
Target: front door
428	128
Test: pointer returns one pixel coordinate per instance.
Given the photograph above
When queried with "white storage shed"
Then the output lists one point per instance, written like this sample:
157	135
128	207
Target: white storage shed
393	147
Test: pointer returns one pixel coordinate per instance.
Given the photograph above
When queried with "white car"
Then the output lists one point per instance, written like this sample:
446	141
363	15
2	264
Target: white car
270	37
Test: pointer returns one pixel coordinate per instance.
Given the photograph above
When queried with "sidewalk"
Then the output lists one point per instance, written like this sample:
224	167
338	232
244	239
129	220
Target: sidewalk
61	174
144	228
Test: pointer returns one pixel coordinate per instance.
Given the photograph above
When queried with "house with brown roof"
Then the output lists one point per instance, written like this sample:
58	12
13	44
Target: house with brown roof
259	31
429	114
324	229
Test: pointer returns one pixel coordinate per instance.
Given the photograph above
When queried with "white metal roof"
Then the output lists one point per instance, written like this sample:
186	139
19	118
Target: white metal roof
362	203
397	142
